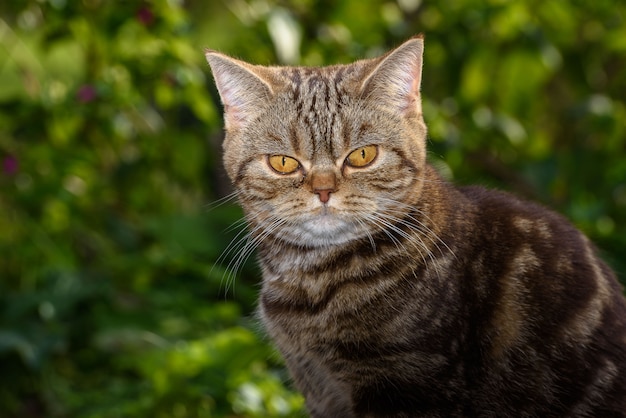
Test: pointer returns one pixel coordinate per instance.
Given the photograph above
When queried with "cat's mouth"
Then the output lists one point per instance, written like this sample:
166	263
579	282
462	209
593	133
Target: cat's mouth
325	211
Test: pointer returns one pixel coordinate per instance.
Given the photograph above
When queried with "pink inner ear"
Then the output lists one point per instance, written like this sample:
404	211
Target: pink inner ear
413	96
411	83
234	112
415	85
409	95
232	117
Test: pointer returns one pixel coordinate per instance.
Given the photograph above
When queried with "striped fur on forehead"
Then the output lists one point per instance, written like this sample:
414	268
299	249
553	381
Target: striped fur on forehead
321	104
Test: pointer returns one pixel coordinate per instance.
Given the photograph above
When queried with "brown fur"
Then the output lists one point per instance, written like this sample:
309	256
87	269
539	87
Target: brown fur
390	292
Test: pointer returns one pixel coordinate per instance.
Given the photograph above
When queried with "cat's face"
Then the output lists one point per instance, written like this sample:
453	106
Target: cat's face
324	156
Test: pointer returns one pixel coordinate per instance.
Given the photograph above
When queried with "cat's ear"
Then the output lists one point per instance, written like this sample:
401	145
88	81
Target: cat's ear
242	87
397	77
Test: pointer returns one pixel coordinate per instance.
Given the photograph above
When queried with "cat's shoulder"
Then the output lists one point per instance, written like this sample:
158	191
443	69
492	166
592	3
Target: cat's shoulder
509	212
504	203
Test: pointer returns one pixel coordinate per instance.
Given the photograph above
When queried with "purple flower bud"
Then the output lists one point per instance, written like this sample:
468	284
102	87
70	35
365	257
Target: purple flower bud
145	16
10	165
86	93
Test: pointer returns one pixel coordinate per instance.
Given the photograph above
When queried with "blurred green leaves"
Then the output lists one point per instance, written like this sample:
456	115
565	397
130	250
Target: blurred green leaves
112	300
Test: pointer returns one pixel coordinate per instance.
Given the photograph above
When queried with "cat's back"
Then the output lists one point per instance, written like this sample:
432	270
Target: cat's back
550	312
521	248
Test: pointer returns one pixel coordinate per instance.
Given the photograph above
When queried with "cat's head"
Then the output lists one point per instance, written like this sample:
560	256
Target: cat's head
323	156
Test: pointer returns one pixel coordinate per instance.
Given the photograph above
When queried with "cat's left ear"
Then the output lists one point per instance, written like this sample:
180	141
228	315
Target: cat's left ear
397	77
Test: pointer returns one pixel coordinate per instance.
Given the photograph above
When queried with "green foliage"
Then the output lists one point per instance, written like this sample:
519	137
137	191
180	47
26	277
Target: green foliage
114	301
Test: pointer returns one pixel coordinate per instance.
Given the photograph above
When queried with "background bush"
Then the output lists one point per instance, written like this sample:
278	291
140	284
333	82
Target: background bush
114	301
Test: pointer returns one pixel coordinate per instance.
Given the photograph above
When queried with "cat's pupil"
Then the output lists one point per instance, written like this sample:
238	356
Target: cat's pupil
363	153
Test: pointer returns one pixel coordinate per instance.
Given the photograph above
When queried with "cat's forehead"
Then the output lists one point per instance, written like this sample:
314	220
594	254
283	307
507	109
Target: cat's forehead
325	97
317	108
313	79
315	90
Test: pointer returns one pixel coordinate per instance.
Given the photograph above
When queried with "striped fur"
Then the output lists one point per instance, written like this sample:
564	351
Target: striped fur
391	293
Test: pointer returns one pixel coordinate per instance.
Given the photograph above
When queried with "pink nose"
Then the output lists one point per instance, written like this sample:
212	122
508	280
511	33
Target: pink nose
324	194
323	182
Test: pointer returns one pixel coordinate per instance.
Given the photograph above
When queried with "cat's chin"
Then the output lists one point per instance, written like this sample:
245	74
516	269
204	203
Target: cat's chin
325	230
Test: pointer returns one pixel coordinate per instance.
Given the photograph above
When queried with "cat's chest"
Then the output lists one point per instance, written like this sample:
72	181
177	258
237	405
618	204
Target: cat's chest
311	311
315	280
338	299
330	315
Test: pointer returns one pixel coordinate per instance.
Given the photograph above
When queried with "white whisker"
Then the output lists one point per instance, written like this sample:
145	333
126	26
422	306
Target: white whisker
414	241
231	197
237	224
369	235
407	227
419	225
384	226
245	246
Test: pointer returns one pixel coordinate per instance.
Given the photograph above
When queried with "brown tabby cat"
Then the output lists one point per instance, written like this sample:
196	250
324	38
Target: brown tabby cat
392	293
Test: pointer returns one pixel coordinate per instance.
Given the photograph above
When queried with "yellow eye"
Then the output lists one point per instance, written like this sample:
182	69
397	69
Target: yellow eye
362	157
283	164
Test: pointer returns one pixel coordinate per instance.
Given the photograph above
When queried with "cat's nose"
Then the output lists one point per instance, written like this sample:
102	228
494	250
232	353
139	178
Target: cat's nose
323	183
324	194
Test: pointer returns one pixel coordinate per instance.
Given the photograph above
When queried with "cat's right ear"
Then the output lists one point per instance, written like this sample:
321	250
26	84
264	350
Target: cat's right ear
397	77
242	88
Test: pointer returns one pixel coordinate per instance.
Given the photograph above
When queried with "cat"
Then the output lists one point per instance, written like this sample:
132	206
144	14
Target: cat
389	291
